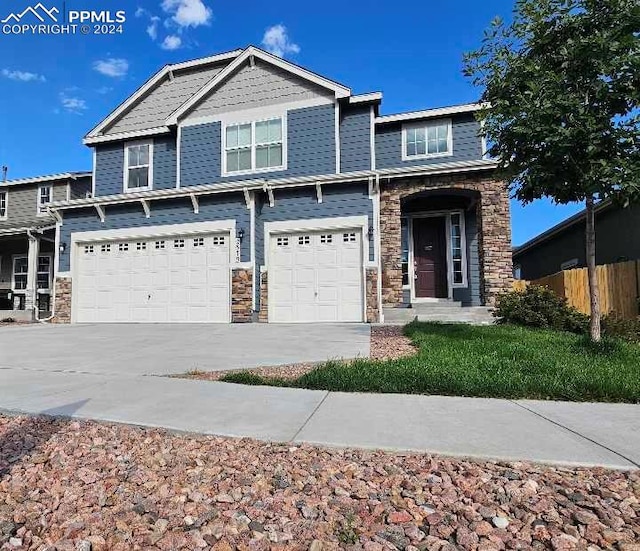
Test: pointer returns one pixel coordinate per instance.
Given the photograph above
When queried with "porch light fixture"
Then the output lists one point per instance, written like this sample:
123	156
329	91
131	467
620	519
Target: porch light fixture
241	234
63	247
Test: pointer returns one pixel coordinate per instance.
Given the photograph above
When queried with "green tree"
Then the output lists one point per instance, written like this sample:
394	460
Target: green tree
561	85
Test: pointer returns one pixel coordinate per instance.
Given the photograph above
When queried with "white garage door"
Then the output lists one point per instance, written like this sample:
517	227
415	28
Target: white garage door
152	280
316	277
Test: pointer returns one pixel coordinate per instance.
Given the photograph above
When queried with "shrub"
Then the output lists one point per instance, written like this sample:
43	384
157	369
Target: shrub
538	306
627	329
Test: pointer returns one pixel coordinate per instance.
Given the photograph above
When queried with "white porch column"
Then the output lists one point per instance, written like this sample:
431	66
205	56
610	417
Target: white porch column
30	301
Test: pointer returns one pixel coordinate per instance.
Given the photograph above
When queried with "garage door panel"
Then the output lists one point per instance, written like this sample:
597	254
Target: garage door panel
177	279
312	274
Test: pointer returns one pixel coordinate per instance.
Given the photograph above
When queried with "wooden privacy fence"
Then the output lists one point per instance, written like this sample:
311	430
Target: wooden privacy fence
619	288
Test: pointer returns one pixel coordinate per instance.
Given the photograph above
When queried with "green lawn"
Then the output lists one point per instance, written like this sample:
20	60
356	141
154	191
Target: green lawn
491	361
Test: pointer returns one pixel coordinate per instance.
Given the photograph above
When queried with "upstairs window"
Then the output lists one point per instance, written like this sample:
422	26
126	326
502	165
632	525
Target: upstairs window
427	140
138	174
3	204
254	146
45	193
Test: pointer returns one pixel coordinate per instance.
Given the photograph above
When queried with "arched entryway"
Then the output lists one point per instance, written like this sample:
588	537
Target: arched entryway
440	246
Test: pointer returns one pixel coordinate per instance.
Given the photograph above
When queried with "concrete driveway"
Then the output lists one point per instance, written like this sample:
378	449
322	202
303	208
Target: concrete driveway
132	350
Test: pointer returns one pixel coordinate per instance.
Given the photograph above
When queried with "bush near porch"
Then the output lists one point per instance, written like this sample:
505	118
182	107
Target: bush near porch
502	361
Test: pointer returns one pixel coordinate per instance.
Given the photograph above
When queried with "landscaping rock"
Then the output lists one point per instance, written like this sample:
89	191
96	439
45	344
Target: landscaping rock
155	490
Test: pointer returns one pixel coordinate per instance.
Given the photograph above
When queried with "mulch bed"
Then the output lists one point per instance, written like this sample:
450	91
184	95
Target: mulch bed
67	485
387	343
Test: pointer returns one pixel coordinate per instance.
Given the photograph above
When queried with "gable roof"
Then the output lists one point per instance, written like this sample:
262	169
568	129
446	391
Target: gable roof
561	227
183	86
175	78
339	90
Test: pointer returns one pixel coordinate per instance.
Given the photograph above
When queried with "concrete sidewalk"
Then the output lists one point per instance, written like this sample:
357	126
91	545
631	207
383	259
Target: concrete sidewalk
577	434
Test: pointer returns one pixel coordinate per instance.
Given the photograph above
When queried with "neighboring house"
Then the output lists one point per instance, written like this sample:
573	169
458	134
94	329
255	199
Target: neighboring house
563	247
241	187
27	237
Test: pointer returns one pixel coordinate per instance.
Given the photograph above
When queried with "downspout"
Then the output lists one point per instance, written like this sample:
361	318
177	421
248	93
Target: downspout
53	298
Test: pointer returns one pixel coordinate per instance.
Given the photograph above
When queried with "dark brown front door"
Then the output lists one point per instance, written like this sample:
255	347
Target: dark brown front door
430	257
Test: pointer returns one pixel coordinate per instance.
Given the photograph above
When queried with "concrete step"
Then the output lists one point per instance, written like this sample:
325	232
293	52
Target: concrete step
477	315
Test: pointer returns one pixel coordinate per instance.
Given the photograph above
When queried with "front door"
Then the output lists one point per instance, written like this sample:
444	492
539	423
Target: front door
430	257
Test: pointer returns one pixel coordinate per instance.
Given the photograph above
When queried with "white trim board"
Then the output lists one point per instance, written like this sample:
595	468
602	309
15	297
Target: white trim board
431	113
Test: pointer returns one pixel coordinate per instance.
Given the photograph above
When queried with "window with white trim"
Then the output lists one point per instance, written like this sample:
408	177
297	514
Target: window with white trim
19	275
218	240
45	193
254	146
457	265
138	174
44	272
3	204
432	139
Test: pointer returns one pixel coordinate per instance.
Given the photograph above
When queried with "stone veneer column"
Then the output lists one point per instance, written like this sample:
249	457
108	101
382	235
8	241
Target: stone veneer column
242	296
390	244
263	316
494	240
373	308
62	300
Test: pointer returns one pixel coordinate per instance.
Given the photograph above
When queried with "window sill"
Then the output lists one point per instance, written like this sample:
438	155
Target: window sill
250	172
427	156
136	189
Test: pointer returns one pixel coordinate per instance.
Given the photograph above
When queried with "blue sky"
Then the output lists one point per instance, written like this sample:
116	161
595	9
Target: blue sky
54	89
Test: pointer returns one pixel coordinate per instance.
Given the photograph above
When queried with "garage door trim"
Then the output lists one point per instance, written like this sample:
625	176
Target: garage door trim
358	223
79	239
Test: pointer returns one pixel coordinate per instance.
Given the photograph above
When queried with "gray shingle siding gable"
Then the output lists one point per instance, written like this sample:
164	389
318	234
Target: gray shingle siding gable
302	204
311	148
355	138
467	144
171	211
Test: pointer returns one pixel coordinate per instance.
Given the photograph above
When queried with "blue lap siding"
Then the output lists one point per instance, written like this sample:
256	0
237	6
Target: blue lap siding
164	212
311	148
355	139
110	166
467	144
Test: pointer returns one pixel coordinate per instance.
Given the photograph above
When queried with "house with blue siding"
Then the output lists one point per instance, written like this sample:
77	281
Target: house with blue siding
242	187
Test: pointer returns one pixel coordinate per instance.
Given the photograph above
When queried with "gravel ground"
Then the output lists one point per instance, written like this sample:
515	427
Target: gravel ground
68	485
387	343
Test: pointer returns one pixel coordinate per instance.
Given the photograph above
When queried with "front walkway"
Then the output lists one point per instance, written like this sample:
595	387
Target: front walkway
585	434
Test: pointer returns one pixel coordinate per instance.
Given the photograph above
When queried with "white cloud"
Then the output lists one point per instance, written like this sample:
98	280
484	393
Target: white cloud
140	12
104	90
276	41
73	104
23	76
188	13
112	67
152	29
172	42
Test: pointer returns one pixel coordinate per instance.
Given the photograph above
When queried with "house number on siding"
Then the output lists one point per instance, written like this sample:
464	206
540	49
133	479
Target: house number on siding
237	250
